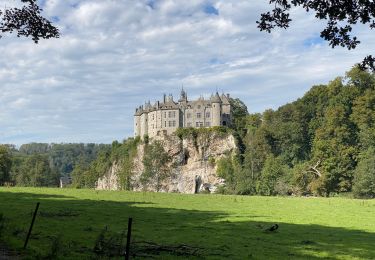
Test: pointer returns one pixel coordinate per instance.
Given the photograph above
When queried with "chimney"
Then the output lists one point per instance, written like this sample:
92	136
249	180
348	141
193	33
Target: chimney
164	98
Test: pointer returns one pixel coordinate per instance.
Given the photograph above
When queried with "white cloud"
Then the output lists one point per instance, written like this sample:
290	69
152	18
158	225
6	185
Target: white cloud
114	55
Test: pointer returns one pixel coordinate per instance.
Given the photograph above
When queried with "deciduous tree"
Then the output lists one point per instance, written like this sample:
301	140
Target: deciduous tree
27	21
339	15
5	164
156	165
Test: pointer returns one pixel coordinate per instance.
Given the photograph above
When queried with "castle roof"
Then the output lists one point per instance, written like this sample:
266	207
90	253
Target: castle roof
170	104
224	98
215	98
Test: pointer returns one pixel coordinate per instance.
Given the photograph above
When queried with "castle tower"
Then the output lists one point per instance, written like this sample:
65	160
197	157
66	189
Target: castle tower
183	96
137	122
216	109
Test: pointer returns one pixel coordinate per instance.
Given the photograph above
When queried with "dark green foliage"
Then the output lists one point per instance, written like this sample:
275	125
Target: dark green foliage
273	179
190	132
309	146
85	175
341	16
26	20
236	180
364	176
35	171
5	164
58	160
124	154
156	165
239	113
225	170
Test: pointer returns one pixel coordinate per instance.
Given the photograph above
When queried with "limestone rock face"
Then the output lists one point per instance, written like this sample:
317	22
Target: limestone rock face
193	167
110	180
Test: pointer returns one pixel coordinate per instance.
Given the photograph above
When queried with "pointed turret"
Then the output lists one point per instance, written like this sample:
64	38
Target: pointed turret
215	98
183	95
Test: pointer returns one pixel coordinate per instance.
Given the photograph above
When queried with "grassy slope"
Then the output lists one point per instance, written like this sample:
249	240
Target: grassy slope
225	226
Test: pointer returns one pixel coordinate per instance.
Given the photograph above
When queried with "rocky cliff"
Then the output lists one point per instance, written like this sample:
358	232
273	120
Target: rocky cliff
192	168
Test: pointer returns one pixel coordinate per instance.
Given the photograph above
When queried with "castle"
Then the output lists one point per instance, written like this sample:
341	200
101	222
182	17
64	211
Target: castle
169	115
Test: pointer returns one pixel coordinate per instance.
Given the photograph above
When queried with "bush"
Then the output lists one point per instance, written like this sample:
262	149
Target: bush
190	132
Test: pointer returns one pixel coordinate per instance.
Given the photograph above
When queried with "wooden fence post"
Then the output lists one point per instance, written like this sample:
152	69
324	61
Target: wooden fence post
31	226
127	251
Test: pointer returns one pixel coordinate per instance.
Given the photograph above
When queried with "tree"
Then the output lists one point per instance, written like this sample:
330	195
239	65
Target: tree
5	164
272	178
225	170
35	171
27	21
155	162
364	176
239	113
340	17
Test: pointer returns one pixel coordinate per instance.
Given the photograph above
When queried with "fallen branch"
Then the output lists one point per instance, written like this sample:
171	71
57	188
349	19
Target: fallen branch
313	169
145	248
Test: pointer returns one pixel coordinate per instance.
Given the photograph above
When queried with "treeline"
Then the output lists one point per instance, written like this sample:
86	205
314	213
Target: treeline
41	164
122	154
321	144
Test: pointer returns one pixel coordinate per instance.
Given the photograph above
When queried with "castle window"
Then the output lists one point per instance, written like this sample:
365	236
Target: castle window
172	114
208	124
198	115
199	124
165	114
208	115
172	123
189	124
165	123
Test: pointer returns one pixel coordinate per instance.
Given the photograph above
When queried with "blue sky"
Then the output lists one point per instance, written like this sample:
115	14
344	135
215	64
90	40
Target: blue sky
114	55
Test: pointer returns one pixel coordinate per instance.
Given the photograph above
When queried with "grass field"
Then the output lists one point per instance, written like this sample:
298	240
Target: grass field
220	227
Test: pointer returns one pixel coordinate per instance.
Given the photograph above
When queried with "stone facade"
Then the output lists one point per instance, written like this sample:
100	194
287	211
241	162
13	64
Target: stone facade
167	116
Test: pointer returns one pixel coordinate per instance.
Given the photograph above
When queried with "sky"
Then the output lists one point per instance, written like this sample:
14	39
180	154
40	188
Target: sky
113	56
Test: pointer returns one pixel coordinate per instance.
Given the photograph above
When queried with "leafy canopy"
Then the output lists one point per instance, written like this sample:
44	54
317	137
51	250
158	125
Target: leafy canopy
340	17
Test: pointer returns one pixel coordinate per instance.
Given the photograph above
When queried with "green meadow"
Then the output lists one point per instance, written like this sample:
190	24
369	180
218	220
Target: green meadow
88	224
